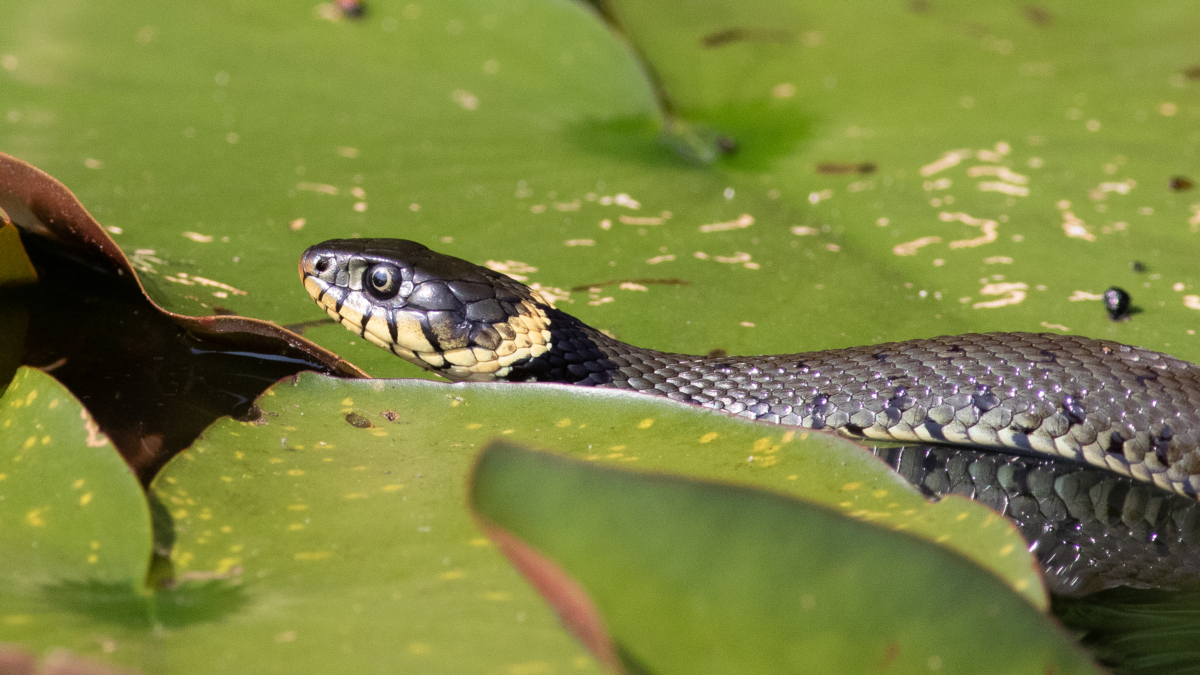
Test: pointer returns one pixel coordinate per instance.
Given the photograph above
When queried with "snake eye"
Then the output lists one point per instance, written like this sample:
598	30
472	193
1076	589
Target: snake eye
322	264
382	281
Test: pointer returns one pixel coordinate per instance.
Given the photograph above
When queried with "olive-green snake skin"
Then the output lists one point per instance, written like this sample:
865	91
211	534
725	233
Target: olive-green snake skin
1054	398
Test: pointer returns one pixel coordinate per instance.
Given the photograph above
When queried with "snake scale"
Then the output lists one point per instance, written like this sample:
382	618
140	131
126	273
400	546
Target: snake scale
1125	409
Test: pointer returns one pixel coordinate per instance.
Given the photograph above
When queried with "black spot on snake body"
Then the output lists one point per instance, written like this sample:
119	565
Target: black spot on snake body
984	399
820	408
1074	411
1162	445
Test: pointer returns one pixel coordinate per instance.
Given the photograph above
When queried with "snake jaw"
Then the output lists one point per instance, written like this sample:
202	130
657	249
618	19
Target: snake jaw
443	314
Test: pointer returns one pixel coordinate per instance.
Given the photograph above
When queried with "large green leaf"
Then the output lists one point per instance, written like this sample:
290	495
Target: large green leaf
506	125
74	524
693	577
343	505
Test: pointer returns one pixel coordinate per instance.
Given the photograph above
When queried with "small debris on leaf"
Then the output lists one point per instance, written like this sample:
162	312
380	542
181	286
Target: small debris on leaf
838	168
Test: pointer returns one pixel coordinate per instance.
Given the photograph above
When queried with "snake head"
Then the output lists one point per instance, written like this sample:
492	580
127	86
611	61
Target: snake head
442	313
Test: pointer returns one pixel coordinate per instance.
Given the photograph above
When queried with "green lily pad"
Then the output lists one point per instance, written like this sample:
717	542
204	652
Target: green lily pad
15	268
919	181
73	519
343	505
70	504
696	577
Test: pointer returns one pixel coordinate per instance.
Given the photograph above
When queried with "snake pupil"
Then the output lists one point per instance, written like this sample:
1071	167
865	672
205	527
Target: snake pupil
381	281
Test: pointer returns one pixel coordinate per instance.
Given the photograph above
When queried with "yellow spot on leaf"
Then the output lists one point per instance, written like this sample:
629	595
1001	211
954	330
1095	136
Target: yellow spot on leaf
226	529
451	575
480	541
793	477
851	486
358	468
237	454
356	495
392	488
53	404
171	480
879	494
295	526
181	513
313	555
1021	584
347	401
508	431
646	423
1006	549
3	476
34	517
184	558
529	668
564	422
16	619
497	596
93	558
32	395
297	507
236	548
95	545
474	425
788	436
418	648
226	564
85	499
709	437
29	442
942	537
45	440
295	472
77	484
275	460
227	479
962	516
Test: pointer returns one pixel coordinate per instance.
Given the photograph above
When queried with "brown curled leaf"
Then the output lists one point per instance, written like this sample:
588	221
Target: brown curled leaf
38	203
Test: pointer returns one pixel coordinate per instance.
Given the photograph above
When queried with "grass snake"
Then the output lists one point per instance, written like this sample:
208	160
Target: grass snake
1129	411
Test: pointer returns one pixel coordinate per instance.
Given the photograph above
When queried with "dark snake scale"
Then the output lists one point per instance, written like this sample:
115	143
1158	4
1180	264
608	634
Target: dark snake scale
1126	409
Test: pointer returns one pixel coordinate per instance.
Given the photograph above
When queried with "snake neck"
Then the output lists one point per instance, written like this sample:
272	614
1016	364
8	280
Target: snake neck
581	355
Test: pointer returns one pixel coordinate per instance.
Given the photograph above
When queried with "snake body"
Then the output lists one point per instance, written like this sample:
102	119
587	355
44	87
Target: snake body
1089	528
1125	409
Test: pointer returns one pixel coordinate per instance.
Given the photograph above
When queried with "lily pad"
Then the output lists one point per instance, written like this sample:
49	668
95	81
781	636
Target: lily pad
696	577
73	519
15	268
343	505
922	183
